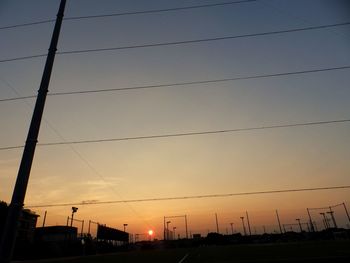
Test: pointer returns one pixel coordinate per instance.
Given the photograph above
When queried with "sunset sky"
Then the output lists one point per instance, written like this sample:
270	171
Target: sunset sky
285	158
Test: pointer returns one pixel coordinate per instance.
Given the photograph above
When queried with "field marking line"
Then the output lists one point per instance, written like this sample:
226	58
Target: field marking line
183	259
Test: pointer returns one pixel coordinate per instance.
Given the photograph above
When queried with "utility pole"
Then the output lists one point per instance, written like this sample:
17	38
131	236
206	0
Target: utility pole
15	208
231	228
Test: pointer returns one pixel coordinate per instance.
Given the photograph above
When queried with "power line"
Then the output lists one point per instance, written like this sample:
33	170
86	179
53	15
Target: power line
28	24
183	83
320	208
184	42
83	159
185	134
151	11
194	196
24	58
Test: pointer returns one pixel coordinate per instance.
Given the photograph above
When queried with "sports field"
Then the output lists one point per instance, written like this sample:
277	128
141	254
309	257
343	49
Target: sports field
320	251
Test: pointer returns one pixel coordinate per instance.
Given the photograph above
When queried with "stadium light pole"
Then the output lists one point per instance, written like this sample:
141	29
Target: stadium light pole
325	220
186	226
8	238
244	230
217	223
248	222
301	229
167	229
333	218
346	211
125	225
311	223
279	222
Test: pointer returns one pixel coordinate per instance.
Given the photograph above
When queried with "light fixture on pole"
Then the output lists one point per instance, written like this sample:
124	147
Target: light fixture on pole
125	225
74	210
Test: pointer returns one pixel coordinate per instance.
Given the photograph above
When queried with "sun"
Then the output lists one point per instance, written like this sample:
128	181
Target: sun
150	232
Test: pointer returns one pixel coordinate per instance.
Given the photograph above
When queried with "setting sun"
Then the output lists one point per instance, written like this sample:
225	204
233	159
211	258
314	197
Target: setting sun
150	232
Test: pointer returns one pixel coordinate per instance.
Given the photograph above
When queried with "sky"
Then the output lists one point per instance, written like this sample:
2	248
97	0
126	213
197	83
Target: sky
286	158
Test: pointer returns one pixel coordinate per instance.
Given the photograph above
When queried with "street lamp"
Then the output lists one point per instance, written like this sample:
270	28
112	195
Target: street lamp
125	225
231	227
167	229
174	228
74	210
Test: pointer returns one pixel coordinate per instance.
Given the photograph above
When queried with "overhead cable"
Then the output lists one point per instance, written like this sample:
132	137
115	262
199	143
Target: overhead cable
183	42
196	82
192	196
151	11
290	125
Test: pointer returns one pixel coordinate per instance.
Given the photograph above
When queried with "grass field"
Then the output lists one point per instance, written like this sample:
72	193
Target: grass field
320	251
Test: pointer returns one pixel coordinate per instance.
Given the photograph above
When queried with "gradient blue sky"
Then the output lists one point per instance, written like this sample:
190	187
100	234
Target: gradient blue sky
246	161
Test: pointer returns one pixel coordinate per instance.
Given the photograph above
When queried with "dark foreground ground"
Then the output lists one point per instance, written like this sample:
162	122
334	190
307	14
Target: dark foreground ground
307	251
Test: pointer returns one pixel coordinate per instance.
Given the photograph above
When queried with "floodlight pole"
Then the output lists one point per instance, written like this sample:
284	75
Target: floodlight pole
331	212
15	208
279	222
167	229
186	226
301	229
250	231
325	220
244	230
164	228
346	211
311	223
89	227
217	223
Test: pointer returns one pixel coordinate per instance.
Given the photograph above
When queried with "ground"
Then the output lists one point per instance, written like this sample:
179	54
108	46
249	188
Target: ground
318	251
